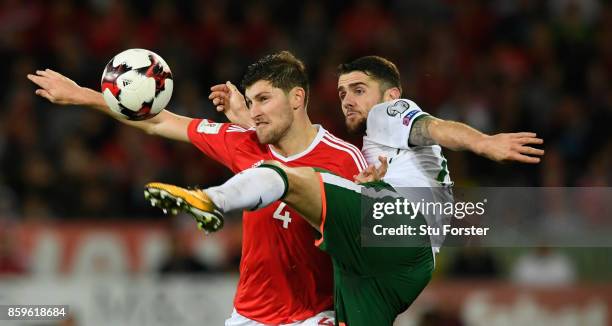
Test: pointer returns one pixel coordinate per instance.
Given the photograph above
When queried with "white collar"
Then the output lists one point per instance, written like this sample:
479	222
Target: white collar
320	133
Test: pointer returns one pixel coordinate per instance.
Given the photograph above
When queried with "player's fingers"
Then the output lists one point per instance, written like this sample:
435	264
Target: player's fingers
44	93
220	108
525	159
382	159
217	101
530	150
39	80
215	94
46	74
530	140
219	88
384	164
232	87
522	134
360	178
43	73
54	73
382	170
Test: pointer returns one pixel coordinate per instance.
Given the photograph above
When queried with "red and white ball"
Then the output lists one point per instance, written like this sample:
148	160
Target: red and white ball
137	84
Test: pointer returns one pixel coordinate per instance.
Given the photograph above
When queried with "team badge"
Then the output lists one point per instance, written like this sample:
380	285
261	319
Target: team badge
206	127
398	108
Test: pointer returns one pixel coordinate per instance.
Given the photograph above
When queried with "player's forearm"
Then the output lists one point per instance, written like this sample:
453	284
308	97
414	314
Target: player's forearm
90	98
243	119
93	99
455	135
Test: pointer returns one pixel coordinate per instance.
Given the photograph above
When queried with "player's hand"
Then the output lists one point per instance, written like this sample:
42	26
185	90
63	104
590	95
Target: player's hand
228	99
56	87
511	147
373	173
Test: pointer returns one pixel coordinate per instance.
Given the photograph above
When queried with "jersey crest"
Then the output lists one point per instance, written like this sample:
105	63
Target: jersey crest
207	127
398	108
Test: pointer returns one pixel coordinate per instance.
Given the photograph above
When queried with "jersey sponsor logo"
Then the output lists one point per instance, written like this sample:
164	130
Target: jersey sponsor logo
398	108
206	127
409	116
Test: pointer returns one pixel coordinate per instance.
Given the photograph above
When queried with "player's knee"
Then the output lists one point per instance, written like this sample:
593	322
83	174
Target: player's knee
275	163
293	175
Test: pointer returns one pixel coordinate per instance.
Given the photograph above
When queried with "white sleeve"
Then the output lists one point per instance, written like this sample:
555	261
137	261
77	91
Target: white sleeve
389	123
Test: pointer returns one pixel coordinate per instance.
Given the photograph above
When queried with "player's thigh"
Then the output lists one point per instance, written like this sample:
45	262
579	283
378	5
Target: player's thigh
379	300
341	223
362	301
303	191
408	284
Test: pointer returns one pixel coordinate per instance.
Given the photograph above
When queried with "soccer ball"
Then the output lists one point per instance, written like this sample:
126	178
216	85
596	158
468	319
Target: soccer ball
137	84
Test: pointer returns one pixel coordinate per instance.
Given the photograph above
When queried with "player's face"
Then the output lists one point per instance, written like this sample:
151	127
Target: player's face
358	93
269	108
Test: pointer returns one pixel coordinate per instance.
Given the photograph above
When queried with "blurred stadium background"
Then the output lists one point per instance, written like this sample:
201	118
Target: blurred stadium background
74	228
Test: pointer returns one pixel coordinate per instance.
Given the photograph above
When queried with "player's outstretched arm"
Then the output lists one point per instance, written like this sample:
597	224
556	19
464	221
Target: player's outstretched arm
458	136
228	99
59	89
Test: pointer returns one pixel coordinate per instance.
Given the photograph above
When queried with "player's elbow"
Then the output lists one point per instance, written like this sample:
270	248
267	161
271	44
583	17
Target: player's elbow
435	127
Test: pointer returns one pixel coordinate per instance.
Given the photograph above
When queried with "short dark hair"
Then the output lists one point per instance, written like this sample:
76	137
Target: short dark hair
283	70
376	67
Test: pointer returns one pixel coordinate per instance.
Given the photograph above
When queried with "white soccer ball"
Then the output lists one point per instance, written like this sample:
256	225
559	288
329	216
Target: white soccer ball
137	84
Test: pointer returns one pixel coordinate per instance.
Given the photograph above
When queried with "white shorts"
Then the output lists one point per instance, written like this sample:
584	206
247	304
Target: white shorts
325	318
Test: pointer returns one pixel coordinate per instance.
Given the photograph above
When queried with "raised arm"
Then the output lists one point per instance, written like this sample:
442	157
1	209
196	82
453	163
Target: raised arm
228	99
59	89
457	136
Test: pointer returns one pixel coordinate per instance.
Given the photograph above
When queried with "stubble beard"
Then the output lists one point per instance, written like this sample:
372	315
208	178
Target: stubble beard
274	135
356	127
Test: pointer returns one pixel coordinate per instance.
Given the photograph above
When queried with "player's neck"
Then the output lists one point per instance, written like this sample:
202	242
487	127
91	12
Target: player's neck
298	139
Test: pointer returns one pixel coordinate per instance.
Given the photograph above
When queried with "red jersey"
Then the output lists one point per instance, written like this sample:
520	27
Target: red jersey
284	278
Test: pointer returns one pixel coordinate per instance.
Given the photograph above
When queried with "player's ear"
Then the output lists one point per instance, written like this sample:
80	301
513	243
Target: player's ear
297	98
392	93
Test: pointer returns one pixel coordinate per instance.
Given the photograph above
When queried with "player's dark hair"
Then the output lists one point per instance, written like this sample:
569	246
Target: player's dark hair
283	70
379	68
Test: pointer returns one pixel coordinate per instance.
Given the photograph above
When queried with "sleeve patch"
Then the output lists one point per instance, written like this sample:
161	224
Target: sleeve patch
409	116
398	108
206	127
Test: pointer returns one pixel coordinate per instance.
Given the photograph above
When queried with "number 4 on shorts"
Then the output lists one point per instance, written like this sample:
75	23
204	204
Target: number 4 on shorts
285	217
